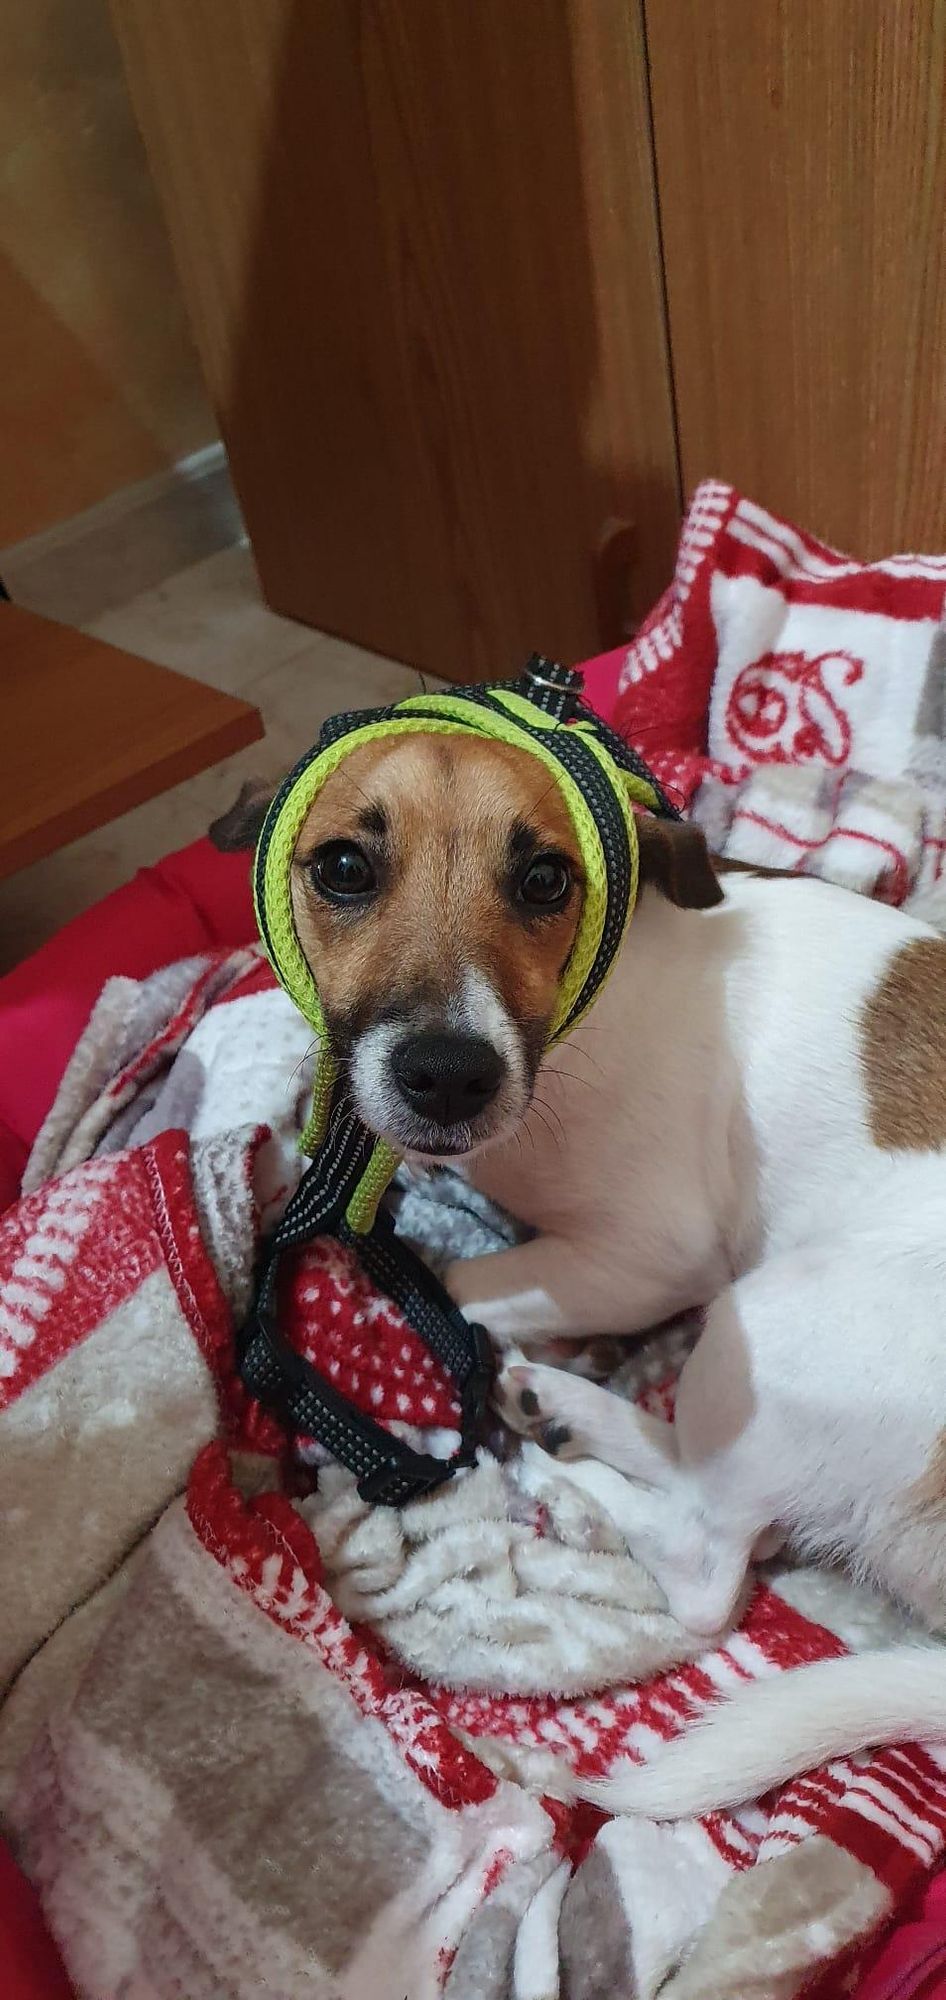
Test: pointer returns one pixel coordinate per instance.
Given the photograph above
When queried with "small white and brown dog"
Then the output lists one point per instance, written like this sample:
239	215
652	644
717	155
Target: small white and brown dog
752	1121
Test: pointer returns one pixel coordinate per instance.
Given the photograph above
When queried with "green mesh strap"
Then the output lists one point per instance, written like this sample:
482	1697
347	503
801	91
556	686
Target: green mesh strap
600	779
598	794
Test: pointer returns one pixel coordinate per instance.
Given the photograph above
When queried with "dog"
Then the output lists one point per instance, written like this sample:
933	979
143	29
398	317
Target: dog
751	1122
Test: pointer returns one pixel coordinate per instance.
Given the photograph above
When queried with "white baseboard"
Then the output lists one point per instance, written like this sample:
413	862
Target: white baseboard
128	542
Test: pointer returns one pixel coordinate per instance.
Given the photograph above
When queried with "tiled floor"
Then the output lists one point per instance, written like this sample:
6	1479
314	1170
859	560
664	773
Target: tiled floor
207	619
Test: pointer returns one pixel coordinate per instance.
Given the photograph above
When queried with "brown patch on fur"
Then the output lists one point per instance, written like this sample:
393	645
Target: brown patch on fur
928	1493
903	1050
449	806
675	859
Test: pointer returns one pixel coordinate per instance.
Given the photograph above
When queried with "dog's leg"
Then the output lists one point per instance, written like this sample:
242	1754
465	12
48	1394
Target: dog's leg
759	1436
699	1564
573	1418
733	1469
552	1288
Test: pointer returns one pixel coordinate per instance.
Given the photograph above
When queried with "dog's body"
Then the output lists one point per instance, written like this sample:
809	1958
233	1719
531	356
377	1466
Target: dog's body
752	1120
722	1152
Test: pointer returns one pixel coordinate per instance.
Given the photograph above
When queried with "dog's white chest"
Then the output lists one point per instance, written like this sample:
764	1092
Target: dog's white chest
714	1109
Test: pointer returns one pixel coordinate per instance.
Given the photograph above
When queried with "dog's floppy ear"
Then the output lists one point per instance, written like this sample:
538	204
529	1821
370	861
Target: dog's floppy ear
243	824
675	859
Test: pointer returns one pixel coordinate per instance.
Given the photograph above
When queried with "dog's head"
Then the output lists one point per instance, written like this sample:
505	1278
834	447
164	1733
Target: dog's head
437	888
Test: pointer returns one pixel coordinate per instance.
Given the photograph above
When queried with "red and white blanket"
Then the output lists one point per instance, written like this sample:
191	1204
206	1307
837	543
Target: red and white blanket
797	700
263	1739
259	1738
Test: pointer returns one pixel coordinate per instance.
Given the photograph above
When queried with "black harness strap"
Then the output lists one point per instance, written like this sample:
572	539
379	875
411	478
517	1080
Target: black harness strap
388	1471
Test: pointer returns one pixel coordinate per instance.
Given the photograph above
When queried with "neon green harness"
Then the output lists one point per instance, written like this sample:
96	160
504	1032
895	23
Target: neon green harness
600	779
575	754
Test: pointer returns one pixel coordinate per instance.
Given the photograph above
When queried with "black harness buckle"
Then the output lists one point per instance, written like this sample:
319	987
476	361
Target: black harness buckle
474	1395
553	688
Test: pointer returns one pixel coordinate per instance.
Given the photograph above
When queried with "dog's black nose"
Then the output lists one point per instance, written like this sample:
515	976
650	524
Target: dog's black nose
447	1078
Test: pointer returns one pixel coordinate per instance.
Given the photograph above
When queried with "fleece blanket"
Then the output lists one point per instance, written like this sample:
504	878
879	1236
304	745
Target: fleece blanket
259	1738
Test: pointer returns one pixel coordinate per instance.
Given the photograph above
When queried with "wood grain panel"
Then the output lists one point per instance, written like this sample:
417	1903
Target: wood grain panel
801	153
90	731
420	250
99	382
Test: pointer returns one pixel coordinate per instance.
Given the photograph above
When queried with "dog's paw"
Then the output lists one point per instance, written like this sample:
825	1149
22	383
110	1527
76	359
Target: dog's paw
532	1402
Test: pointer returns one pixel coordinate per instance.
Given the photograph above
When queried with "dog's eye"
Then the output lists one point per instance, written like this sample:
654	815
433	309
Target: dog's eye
343	871
545	884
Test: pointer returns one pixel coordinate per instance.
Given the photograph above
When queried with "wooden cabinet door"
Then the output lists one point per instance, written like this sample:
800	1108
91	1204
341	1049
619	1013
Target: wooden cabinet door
418	239
801	157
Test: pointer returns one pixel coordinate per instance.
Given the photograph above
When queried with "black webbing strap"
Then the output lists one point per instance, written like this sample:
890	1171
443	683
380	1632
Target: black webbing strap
559	692
388	1471
555	689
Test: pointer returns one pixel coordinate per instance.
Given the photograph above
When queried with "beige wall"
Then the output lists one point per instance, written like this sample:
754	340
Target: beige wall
99	385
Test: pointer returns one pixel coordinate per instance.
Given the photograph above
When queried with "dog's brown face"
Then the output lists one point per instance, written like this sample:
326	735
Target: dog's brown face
437	889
